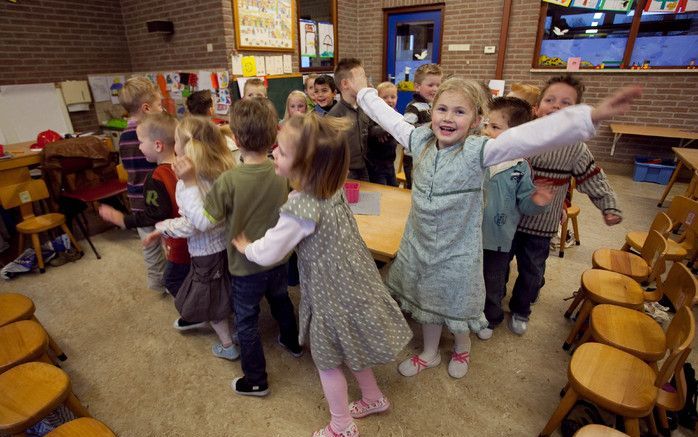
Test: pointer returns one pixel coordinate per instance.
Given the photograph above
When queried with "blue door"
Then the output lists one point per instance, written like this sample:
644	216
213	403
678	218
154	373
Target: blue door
414	38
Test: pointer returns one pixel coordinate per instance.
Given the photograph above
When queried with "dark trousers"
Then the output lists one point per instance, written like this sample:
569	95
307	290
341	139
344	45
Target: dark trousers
382	172
407	168
174	276
247	292
531	251
359	174
496	270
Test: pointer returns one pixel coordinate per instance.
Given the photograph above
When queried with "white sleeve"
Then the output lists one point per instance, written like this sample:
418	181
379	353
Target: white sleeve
179	227
191	206
279	240
555	131
388	118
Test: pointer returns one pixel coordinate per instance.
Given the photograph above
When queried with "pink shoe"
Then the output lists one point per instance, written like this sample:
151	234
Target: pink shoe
361	408
350	431
415	364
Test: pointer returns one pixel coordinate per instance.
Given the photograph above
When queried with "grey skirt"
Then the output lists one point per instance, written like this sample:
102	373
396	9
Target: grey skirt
203	296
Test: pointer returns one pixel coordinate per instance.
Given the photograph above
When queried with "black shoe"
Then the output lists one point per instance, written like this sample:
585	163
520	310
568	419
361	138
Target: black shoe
294	349
242	387
183	325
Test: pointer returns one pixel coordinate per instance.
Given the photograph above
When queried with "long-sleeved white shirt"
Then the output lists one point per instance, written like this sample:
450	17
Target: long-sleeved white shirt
562	128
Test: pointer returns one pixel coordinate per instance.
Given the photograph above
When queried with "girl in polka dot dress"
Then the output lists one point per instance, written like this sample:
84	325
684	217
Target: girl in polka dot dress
345	311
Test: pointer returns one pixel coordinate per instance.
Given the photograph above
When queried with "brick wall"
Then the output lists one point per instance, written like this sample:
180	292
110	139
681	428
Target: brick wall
51	41
669	99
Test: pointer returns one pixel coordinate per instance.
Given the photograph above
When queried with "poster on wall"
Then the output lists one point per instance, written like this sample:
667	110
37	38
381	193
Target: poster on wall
589	4
264	24
308	37
325	32
661	6
559	2
616	5
688	6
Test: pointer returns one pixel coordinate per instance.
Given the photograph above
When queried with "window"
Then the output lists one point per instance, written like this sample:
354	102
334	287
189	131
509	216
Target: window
616	39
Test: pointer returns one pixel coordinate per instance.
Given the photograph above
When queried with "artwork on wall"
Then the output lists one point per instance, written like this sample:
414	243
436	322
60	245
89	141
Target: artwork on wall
326	40
661	6
264	24
308	37
559	2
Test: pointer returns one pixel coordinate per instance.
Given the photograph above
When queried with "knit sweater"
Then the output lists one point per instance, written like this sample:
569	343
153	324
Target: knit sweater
557	167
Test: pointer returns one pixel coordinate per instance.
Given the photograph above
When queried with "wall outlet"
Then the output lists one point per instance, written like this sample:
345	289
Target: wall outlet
490	49
209	47
459	47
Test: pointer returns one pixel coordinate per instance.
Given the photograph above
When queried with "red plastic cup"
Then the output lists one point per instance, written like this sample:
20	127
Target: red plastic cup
351	191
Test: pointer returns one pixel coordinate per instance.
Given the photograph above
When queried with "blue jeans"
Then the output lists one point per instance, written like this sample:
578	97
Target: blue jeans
247	292
531	252
382	172
496	270
174	276
359	174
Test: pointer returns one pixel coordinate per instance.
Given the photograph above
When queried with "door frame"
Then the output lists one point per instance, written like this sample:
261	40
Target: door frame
407	9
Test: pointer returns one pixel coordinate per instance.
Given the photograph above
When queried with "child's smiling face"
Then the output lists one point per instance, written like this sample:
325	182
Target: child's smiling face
323	94
297	105
452	118
497	122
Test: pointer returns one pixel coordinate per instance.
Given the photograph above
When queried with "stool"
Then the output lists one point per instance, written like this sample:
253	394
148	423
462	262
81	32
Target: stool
21	342
82	427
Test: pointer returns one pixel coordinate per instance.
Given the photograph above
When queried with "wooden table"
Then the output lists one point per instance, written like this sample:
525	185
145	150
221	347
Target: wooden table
382	233
687	157
651	131
16	169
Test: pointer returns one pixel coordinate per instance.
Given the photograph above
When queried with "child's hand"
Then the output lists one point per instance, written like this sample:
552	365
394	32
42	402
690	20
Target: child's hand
152	238
617	104
111	215
612	219
358	79
543	194
184	169
241	242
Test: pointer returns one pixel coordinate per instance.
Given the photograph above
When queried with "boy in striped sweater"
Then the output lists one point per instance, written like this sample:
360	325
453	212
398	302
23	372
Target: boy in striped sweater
531	243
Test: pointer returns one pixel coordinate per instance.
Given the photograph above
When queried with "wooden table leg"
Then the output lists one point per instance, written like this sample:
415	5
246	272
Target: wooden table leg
671	182
616	137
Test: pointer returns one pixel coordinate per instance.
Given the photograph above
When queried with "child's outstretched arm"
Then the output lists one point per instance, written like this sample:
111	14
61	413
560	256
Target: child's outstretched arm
563	128
277	241
379	111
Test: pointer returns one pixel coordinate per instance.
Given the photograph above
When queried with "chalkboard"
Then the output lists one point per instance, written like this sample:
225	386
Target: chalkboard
278	89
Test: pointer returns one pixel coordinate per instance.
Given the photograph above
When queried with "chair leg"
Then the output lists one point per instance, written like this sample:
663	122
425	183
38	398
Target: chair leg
21	244
581	319
625	248
73	403
585	337
36	243
651	424
52	344
575	229
70	235
563	239
632	426
566	404
578	297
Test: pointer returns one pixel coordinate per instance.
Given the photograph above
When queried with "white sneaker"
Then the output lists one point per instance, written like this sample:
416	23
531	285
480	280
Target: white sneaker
415	364
458	366
518	324
485	334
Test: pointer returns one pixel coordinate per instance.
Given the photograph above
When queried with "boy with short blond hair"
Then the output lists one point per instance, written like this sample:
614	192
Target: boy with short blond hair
254	88
140	97
357	135
380	157
427	79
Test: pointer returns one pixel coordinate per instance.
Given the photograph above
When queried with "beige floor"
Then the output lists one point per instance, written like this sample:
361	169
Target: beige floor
143	378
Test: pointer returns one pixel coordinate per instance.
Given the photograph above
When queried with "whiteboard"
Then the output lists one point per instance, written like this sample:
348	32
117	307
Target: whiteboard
27	110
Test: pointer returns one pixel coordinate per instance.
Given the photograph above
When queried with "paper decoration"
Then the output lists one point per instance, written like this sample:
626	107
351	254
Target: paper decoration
573	64
264	24
559	2
224	97
325	33
236	65
308	30
274	64
176	95
117	82
496	86
661	6
287	64
205	80
688	6
616	5
99	85
223	79
589	4
162	84
261	66
249	66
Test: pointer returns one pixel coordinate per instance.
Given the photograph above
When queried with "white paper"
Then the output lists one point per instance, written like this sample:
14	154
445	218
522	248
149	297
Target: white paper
325	33
204	80
275	65
78	107
497	87
261	65
288	64
236	64
308	32
99	85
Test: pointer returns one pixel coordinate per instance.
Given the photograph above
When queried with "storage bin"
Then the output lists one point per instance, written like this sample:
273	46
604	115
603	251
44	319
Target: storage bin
653	170
351	191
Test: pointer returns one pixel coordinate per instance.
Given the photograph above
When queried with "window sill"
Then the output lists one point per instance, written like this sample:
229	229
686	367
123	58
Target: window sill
616	71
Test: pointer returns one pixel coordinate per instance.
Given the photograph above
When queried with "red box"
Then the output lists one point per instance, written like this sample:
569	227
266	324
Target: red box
351	191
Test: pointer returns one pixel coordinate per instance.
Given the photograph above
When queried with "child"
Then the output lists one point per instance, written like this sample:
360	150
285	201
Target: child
532	240
254	88
140	97
296	103
427	79
357	135
529	93
437	274
200	103
247	199
325	90
309	86
345	310
509	193
380	158
203	296
156	135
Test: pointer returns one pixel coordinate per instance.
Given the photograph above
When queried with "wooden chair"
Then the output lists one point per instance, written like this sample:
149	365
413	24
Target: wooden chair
683	212
14	307
572	215
82	427
595	430
31	391
645	267
618	382
23	195
400	175
21	342
676	251
637	333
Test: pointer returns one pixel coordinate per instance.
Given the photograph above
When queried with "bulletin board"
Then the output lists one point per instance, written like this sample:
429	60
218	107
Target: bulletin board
27	110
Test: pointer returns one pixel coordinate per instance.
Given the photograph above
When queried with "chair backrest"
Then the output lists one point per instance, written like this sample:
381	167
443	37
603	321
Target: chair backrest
654	253
23	195
679	340
682	211
662	224
679	286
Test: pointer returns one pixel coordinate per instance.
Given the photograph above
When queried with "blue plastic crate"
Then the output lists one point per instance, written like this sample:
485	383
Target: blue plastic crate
648	171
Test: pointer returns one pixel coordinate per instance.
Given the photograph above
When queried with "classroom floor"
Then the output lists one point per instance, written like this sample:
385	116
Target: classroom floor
143	378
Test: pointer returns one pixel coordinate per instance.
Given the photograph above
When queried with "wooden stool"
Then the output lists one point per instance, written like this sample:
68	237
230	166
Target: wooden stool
82	427
31	391
14	307
646	267
21	342
572	215
595	430
662	223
